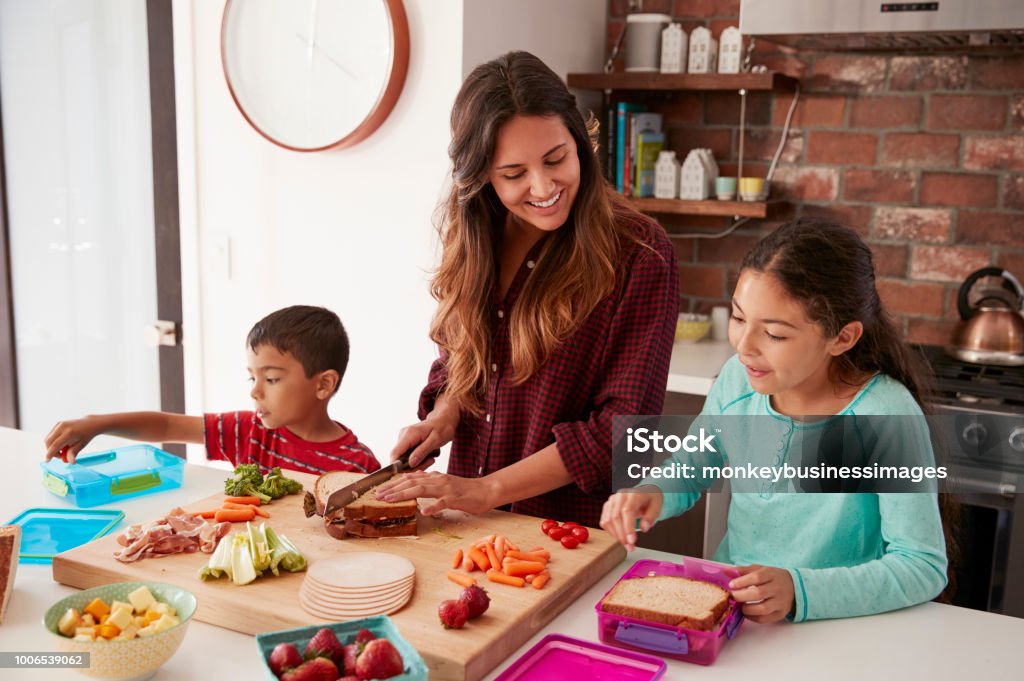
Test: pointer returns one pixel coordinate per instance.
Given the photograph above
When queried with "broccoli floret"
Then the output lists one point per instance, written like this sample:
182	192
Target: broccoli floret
276	485
245	483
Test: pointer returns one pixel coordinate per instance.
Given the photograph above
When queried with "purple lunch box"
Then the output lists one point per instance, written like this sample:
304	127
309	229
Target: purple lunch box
689	645
558	657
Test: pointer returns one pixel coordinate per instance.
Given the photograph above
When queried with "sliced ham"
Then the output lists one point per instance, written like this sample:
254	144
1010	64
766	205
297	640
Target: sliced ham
177	532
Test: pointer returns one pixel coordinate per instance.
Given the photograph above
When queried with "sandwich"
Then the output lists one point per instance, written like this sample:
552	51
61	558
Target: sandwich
10	541
674	601
366	516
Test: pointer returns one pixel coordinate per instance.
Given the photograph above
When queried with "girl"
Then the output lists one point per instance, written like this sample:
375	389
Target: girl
811	337
556	307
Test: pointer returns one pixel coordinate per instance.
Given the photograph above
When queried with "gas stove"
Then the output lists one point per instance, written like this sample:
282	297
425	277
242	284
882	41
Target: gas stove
973	388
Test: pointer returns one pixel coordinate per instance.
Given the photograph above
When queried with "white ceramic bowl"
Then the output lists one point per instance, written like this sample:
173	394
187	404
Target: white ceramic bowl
129	660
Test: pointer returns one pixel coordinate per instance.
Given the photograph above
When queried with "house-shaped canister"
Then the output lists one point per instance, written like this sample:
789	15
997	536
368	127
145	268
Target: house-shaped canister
693	177
673	49
703	51
730	49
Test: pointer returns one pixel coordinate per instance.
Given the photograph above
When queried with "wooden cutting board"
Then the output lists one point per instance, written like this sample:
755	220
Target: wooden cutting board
272	603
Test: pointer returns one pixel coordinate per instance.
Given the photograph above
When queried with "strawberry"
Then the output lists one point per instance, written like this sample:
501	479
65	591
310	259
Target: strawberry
453	614
379	660
325	644
476	599
285	656
351	654
317	669
364	636
349	678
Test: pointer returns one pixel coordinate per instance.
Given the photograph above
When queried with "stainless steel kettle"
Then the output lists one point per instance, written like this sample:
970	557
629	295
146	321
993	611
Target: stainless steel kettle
991	330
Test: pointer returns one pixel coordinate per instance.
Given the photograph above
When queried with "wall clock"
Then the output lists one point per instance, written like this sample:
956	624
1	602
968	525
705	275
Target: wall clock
310	75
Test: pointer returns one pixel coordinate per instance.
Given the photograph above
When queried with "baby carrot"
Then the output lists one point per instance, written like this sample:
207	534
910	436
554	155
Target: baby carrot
518	568
456	559
499	547
481	560
492	557
467	563
251	501
536	556
460	579
529	578
541	579
246	507
233	515
204	514
502	578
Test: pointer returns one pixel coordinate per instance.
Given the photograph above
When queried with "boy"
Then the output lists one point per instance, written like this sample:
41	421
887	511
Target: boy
296	359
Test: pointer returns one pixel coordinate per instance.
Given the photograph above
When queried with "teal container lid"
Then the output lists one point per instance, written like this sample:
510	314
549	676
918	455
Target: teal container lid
45	532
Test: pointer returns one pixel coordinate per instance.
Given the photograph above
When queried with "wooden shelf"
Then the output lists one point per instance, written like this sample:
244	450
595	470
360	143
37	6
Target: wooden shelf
744	209
620	80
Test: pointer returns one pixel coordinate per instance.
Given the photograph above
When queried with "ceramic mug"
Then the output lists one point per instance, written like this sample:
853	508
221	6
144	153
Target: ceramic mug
725	188
752	189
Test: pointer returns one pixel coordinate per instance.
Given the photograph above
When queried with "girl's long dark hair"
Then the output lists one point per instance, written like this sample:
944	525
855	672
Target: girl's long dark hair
830	270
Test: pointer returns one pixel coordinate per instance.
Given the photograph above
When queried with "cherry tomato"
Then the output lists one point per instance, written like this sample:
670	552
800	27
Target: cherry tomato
581	533
557	533
569	541
547	525
570	524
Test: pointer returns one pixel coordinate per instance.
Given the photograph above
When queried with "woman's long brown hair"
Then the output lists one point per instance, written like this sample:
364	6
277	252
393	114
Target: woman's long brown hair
577	265
831	272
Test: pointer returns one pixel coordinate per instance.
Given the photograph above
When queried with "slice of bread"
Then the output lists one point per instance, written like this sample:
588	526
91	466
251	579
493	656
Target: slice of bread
369	507
366	516
675	601
10	542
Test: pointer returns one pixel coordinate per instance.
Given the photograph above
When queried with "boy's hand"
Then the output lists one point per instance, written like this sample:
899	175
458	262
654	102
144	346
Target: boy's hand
67	438
433	432
622	510
766	593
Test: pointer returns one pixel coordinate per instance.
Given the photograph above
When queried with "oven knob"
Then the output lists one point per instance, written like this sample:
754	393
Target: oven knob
1016	438
975	433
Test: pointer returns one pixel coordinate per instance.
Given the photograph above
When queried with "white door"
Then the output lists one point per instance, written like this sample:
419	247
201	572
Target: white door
78	153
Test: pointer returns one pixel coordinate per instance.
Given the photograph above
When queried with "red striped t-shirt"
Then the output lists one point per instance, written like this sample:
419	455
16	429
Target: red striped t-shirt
240	437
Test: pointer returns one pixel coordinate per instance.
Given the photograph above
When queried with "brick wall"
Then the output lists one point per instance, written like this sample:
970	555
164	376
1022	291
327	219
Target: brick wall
922	154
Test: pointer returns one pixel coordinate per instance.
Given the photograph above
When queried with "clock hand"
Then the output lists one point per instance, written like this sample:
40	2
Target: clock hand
313	46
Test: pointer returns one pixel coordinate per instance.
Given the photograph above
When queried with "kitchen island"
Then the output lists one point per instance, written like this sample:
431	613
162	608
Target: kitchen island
929	641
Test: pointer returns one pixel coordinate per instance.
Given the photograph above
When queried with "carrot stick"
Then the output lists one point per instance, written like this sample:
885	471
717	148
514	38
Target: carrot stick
502	578
204	514
480	559
492	557
456	559
499	547
251	501
529	578
541	579
467	563
518	568
536	556
233	515
246	507
460	579
509	546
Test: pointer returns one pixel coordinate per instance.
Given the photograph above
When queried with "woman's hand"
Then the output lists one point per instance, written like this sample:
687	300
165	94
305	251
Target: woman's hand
73	435
472	495
622	510
766	593
432	433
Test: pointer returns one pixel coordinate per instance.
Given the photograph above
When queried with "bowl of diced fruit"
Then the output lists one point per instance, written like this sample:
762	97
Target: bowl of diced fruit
368	648
129	629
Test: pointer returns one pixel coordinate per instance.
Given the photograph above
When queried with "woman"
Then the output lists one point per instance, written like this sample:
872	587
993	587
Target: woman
556	307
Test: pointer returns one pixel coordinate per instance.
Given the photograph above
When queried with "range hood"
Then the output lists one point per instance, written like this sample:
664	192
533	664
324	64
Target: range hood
865	25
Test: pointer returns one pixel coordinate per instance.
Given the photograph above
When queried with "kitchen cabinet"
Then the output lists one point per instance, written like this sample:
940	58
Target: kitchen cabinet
675	82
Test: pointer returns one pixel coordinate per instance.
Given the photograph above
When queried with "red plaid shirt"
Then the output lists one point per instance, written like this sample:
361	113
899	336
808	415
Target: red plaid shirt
616	363
240	437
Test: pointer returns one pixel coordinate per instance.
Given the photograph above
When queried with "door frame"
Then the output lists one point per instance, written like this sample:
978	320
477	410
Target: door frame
167	243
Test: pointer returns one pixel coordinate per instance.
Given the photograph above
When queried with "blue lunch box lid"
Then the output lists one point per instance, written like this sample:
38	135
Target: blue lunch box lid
46	532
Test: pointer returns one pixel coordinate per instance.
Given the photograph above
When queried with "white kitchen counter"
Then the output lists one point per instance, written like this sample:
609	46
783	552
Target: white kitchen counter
932	641
694	366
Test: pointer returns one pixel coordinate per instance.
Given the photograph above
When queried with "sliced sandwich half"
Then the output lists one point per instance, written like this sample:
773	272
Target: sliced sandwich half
675	601
367	516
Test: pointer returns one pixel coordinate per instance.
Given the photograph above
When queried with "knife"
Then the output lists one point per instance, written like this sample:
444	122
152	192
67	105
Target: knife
346	495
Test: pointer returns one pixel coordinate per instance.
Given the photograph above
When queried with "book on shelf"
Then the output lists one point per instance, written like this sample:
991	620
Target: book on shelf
638	123
648	146
622	111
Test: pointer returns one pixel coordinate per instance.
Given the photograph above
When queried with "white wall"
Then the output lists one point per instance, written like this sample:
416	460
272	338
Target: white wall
350	229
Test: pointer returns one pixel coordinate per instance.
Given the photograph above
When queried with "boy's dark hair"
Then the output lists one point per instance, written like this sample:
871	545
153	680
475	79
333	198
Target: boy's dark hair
312	335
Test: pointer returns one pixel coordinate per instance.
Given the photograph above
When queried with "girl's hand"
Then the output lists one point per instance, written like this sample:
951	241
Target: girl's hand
766	593
433	432
72	435
622	510
472	495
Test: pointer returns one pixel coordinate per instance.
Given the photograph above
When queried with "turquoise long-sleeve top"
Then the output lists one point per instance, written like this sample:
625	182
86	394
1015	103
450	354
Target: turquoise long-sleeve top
849	554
